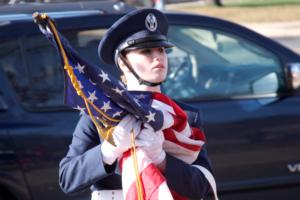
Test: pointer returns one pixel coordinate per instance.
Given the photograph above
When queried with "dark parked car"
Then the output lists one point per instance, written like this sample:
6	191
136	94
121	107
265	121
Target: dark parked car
244	83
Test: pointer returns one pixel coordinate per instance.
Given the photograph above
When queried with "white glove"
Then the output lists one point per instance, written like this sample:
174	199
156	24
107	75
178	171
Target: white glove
151	143
122	139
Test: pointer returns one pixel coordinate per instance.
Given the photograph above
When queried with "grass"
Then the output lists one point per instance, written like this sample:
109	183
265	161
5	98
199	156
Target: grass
246	10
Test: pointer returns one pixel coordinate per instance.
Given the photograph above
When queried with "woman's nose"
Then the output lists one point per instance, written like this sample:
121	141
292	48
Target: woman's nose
156	58
157	55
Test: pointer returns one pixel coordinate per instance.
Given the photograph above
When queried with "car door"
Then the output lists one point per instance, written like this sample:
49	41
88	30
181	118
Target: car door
39	125
237	78
12	182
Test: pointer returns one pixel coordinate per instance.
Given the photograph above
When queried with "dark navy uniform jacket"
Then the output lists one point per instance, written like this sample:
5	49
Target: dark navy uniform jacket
83	167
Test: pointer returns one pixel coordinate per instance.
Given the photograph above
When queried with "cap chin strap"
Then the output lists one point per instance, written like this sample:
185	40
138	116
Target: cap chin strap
141	81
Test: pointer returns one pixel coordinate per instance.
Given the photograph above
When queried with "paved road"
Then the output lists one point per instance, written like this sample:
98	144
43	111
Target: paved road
286	33
291	42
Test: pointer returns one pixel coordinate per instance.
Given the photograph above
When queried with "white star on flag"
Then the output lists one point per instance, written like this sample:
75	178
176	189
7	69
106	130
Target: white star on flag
104	76
106	106
92	82
136	101
150	117
117	90
92	96
80	109
122	106
80	68
117	114
141	96
122	84
80	85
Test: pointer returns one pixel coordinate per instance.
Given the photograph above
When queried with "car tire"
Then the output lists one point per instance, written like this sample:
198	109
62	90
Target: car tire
5	195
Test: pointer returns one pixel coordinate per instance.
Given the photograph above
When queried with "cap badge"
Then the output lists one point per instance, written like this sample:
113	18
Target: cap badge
151	22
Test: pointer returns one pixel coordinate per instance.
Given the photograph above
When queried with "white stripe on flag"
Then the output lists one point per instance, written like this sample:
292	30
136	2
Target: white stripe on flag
164	192
184	154
159	105
186	131
184	139
167	113
128	178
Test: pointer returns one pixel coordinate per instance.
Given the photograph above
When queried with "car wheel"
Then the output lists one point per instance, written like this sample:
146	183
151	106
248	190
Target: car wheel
5	195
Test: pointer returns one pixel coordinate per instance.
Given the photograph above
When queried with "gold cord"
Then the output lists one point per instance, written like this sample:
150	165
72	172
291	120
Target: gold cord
87	102
136	170
75	84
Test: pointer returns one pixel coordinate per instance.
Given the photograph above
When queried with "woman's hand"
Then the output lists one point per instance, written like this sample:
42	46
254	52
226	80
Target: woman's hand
151	143
122	139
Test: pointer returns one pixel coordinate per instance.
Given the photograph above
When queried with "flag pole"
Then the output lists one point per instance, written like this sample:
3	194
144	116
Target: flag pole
44	19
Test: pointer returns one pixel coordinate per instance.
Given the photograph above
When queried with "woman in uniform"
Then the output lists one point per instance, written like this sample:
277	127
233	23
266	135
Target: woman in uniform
136	44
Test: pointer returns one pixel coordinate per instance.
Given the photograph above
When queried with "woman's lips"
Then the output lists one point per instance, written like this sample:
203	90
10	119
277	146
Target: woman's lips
159	66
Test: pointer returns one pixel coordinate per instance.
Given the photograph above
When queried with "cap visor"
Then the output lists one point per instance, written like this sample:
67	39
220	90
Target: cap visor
146	45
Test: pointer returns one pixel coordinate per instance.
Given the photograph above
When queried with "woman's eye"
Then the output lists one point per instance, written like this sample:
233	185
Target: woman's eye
146	51
149	51
161	50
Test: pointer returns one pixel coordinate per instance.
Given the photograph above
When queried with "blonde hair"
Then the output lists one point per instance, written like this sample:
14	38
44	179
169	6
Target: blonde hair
123	79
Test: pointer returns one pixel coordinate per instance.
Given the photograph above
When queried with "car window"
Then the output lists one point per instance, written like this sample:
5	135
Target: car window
35	70
208	63
11	62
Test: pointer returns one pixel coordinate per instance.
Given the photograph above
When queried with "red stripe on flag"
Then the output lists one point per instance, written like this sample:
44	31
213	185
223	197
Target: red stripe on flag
198	134
151	179
126	155
170	136
180	118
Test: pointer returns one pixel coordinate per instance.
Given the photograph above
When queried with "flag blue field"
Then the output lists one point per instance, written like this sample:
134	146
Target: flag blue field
108	98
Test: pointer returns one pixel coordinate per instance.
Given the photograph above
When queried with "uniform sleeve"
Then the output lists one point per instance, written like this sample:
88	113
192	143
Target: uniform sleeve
184	178
83	165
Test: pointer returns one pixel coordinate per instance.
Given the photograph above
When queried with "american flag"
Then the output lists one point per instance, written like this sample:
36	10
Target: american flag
109	101
181	141
103	90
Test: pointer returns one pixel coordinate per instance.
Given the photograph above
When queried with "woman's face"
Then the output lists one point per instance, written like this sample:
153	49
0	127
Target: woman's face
150	64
